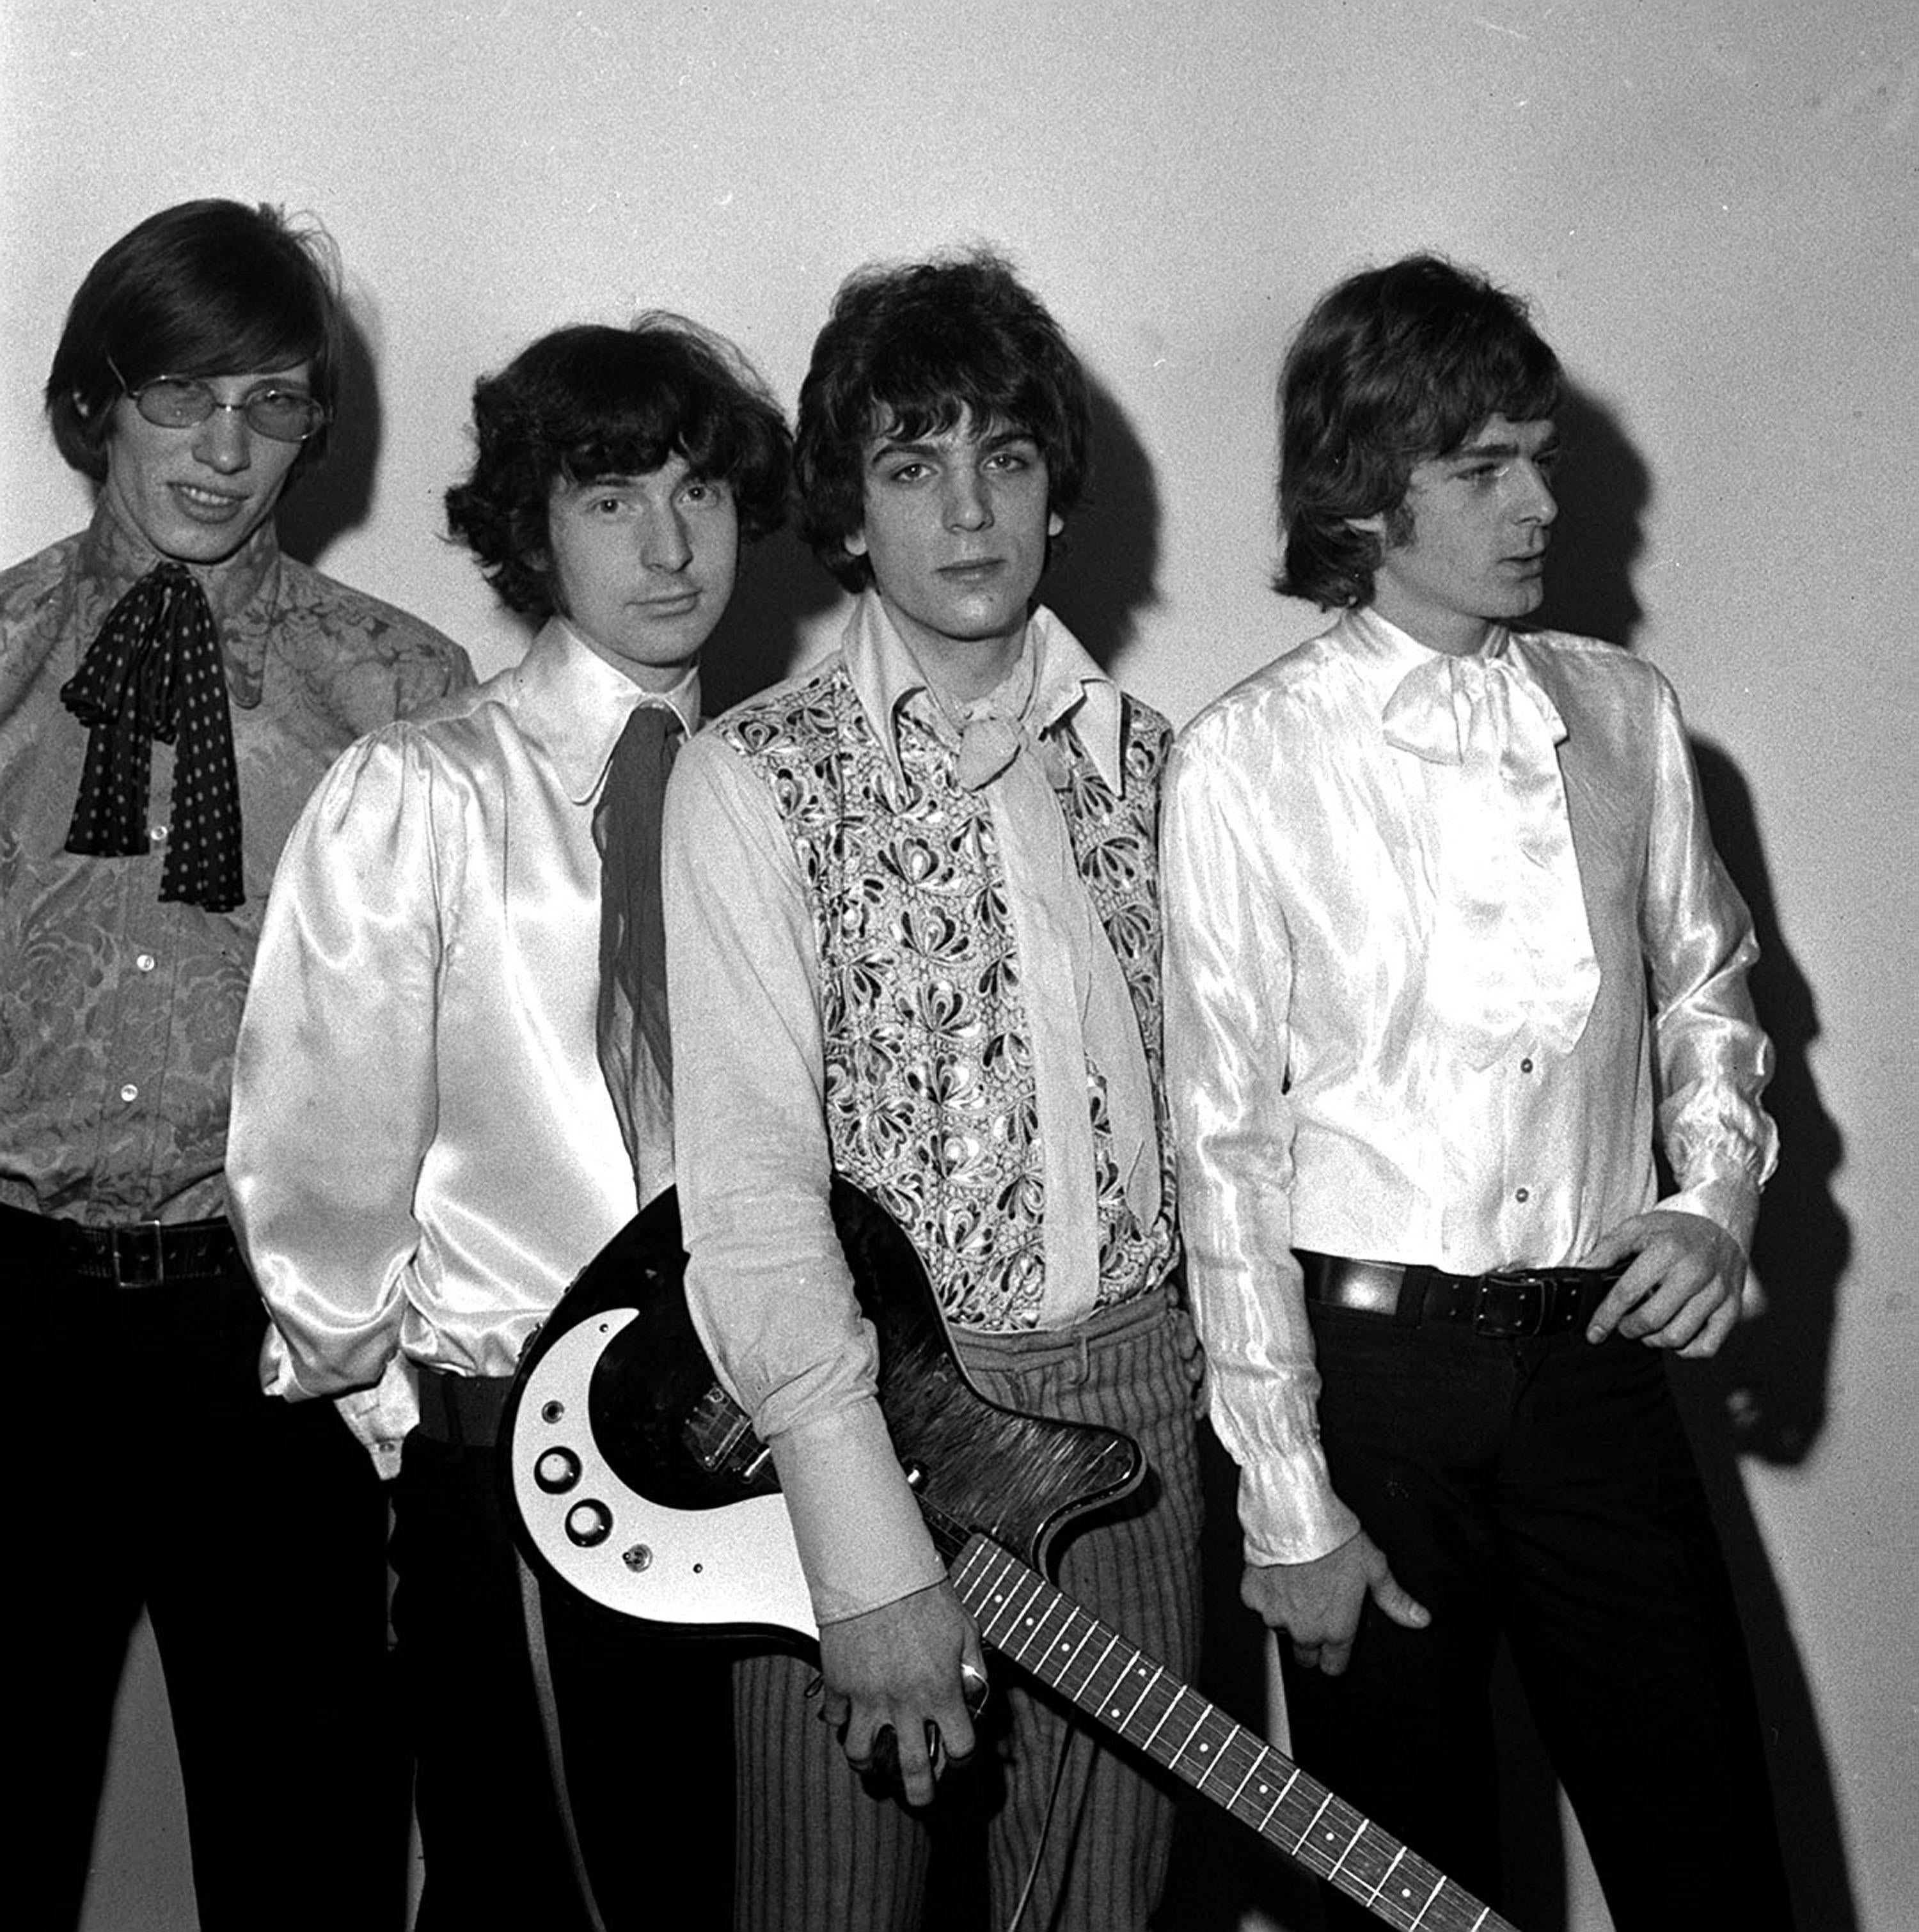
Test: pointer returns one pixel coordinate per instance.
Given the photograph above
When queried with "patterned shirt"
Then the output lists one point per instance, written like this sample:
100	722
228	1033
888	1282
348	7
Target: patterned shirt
117	1013
857	944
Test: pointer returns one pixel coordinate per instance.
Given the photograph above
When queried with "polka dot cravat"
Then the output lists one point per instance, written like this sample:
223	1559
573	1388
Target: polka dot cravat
154	672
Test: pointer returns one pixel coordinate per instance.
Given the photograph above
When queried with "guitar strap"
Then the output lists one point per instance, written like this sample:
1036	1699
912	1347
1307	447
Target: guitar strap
556	1754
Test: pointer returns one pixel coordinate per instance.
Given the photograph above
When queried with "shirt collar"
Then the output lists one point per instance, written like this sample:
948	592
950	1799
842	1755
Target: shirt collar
1387	654
574	705
888	682
1418	689
242	590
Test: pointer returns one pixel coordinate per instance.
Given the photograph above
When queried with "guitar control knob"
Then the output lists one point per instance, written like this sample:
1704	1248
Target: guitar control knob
637	1559
557	1471
589	1524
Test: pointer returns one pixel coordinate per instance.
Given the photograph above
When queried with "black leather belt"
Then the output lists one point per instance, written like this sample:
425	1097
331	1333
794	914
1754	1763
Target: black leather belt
134	1254
1509	1305
462	1410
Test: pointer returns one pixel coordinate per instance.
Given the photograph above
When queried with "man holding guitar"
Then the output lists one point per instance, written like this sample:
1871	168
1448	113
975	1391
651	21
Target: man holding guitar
454	1088
913	936
1421	873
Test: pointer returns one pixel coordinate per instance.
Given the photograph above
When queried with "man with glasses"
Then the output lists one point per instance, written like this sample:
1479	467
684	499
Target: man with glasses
171	689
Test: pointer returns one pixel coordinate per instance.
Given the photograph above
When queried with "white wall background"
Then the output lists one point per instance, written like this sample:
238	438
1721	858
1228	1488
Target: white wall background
1712	201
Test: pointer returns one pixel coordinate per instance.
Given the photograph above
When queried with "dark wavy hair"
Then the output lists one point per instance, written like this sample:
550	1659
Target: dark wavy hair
1394	366
592	401
907	350
207	288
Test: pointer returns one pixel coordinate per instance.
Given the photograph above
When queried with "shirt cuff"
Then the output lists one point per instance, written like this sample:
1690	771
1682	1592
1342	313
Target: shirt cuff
276	1369
381	1417
862	1540
1730	1203
1290	1514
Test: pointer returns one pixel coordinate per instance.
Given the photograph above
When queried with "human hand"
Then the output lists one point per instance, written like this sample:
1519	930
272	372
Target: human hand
899	1668
1317	1603
1683	1289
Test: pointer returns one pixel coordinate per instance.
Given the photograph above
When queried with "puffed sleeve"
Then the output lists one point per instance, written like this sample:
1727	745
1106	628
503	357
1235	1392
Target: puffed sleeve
333	1085
1228	980
1713	1061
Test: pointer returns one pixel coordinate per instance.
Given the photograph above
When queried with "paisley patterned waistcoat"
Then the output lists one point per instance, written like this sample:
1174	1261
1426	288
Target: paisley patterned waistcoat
930	1093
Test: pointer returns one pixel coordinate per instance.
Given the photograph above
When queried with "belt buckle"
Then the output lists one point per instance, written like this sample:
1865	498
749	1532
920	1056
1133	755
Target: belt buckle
139	1255
1524	1291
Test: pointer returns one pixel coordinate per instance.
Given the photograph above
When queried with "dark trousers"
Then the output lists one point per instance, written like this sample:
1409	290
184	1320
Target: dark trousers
645	1721
1544	1491
148	1470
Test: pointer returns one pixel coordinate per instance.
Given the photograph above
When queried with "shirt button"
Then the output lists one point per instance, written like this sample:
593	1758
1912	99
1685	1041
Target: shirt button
130	1092
158	833
1522	1194
1525	1066
145	962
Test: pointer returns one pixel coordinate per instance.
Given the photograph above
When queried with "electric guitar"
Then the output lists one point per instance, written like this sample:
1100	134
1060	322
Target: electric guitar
634	1478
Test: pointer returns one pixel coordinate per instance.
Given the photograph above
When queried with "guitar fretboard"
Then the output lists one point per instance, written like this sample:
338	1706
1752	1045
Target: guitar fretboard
1020	1614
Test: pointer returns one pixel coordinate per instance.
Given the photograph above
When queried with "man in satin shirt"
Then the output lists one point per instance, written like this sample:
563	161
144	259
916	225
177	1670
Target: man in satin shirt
913	933
443	1109
172	688
1420	875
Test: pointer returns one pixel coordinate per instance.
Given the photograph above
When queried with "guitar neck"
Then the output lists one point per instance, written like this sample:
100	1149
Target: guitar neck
1021	1615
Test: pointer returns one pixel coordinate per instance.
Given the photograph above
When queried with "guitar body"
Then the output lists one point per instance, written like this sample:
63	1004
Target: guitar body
622	1444
634	1478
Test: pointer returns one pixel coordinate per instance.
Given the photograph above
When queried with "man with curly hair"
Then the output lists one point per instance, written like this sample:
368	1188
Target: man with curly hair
173	686
914	934
452	1093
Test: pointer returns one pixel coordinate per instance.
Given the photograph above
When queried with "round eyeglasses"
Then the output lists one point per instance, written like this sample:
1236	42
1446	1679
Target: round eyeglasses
179	402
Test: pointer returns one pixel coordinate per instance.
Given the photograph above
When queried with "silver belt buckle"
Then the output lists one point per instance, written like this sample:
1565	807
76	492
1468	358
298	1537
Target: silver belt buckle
139	1255
1525	1311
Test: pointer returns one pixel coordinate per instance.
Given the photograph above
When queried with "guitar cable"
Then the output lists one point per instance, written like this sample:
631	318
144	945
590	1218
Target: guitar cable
556	1754
1067	1739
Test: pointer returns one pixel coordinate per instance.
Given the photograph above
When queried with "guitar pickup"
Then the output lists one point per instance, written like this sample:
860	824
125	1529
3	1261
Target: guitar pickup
722	1439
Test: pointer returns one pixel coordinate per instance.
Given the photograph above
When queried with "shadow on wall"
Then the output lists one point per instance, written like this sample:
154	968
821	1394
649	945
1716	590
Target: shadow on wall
780	588
1764	1394
1603	488
1104	570
336	496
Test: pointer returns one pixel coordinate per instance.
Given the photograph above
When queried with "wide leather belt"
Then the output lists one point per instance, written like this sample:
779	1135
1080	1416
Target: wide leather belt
462	1410
1510	1304
132	1254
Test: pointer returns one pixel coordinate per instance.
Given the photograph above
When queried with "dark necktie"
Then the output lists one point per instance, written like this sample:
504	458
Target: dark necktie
154	672
633	925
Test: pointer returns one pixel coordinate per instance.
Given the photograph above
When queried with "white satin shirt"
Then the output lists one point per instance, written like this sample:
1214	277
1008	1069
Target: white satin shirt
1399	1029
424	1153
